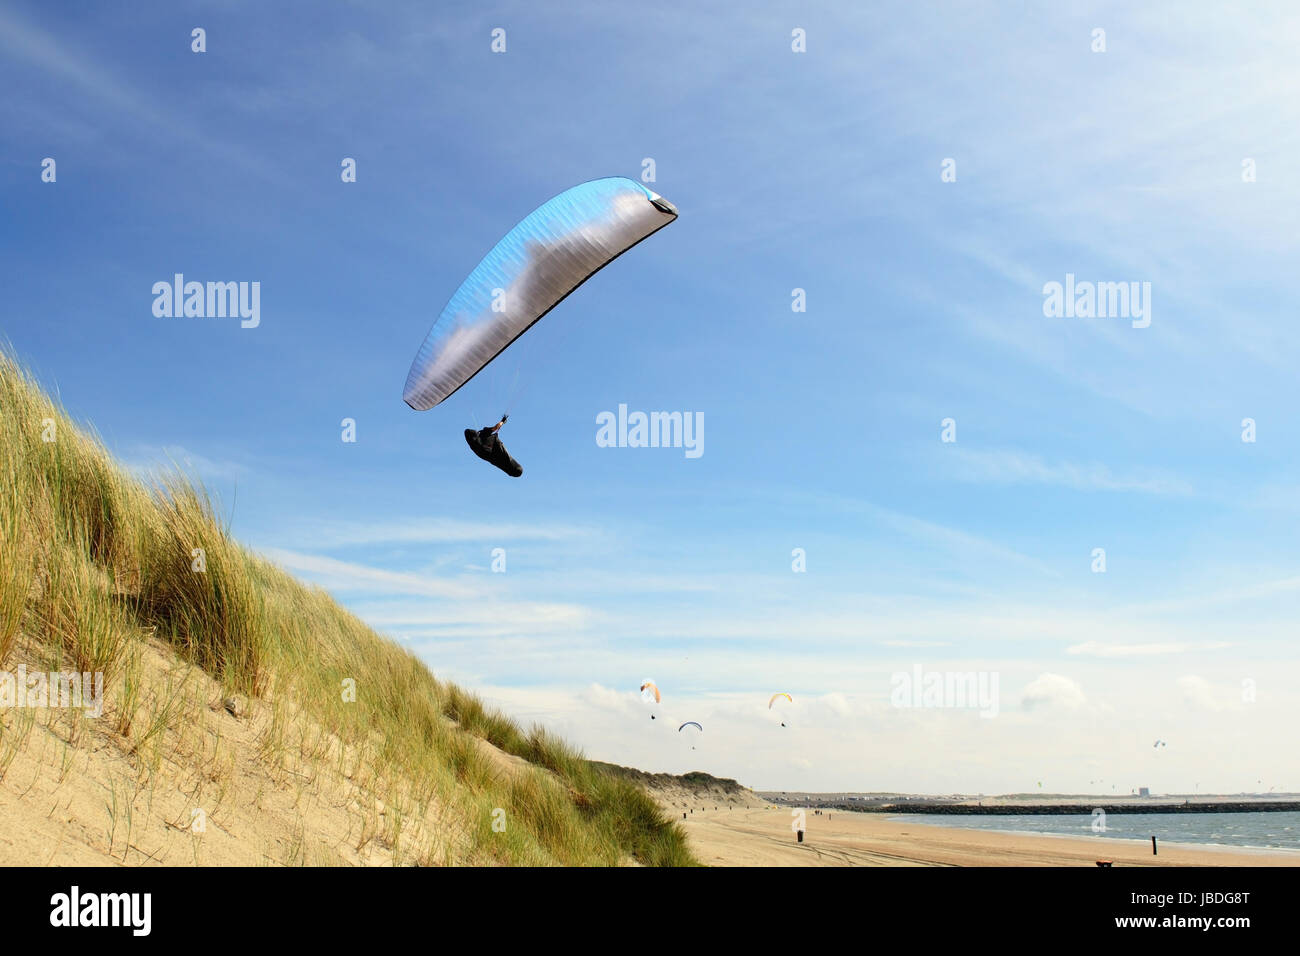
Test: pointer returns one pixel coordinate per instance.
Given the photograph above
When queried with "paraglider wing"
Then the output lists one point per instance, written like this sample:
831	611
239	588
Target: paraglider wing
690	723
648	690
774	698
540	261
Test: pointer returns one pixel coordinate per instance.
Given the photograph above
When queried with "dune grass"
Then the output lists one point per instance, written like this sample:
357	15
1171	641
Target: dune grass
93	562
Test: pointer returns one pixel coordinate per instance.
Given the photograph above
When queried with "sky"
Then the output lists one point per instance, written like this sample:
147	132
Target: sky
922	172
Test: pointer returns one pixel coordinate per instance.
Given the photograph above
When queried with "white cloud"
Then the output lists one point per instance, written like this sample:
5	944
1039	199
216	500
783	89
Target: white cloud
1052	690
621	702
1200	693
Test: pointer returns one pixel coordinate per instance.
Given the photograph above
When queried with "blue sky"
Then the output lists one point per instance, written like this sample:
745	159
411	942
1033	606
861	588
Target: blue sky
819	171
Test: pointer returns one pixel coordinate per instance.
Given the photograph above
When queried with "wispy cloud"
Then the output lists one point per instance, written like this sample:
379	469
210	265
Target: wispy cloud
486	618
1274	587
1016	467
1098	649
955	541
146	461
77	67
25	42
346	577
346	534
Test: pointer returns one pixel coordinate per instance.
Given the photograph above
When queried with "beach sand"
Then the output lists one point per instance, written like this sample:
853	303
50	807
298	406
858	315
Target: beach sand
762	837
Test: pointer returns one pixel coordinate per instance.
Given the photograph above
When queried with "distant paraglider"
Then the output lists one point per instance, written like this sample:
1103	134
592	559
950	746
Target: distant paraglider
650	693
775	698
690	723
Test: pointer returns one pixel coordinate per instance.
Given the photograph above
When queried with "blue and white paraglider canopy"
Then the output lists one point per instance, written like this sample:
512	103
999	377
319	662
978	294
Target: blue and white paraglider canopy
550	253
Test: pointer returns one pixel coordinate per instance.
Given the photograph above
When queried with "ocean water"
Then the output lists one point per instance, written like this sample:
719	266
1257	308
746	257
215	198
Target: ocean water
1266	830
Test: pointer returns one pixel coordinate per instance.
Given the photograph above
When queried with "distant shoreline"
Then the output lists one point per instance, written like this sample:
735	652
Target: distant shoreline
1139	843
1016	805
1071	809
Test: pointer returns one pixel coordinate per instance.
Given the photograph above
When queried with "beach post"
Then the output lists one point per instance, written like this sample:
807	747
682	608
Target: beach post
1153	847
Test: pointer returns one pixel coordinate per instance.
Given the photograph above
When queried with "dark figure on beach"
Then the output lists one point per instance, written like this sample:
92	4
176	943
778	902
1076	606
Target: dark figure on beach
487	444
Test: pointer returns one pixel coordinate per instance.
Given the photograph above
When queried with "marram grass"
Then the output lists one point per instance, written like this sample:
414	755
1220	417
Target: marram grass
93	562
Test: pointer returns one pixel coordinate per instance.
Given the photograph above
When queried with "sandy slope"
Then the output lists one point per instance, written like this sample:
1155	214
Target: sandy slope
72	794
679	799
762	837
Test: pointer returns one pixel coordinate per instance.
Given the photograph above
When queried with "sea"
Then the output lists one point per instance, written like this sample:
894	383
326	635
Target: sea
1272	831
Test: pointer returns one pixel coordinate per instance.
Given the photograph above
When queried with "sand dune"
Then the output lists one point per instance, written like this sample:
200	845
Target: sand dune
72	795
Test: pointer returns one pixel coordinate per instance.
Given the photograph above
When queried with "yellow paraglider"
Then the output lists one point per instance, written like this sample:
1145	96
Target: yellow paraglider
649	693
774	699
